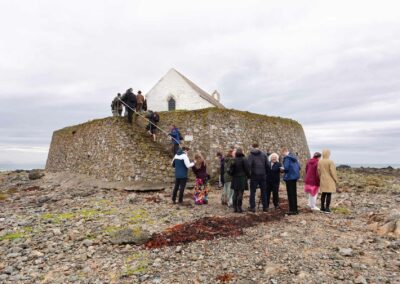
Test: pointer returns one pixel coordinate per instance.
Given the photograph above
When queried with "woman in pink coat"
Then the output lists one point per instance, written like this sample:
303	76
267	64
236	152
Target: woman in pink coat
311	182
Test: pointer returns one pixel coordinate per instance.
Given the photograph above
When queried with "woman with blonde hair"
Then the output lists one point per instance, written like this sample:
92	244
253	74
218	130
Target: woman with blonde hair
328	180
201	186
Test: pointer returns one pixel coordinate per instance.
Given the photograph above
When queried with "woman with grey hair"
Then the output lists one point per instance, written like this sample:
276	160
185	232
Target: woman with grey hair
273	179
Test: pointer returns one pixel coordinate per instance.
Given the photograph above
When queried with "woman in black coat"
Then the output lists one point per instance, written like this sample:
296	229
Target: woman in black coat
240	172
273	179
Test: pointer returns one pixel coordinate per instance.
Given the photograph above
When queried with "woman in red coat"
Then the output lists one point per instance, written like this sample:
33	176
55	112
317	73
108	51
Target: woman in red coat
311	182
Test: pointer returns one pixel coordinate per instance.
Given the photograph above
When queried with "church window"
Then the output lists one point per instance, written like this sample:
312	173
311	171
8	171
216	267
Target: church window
171	104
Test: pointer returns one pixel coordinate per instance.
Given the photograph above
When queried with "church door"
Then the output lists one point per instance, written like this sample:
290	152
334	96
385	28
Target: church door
171	104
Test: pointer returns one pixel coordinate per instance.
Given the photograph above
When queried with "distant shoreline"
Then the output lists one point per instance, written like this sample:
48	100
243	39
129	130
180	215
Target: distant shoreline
11	168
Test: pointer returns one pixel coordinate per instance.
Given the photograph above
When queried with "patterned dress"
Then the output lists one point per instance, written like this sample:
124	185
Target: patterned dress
201	187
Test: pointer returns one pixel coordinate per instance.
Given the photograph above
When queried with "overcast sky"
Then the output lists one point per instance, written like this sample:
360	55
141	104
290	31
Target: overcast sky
334	66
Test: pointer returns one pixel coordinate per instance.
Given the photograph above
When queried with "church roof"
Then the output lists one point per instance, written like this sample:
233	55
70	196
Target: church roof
200	91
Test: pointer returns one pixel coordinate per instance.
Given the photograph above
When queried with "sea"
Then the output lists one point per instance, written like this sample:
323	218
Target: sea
12	167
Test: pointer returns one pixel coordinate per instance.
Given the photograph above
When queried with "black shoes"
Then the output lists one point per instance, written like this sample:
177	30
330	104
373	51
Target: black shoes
237	210
252	210
265	209
293	213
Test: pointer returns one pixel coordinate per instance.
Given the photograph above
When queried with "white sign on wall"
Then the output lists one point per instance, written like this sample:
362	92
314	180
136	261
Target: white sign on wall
188	138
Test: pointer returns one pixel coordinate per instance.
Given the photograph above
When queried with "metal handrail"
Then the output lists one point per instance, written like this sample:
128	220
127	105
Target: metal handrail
145	118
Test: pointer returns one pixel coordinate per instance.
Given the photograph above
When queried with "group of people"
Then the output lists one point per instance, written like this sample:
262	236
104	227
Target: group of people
136	102
320	177
263	170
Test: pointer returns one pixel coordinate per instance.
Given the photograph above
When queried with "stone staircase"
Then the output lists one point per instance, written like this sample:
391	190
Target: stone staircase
155	159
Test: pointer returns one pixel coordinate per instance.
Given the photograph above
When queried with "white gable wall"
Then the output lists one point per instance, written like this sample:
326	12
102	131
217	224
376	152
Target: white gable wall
172	84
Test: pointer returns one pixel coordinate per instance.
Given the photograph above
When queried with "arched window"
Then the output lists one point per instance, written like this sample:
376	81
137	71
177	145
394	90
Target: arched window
171	104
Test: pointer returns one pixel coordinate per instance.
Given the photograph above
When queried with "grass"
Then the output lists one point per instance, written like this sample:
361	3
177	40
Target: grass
341	210
86	214
140	216
13	236
3	196
58	217
137	263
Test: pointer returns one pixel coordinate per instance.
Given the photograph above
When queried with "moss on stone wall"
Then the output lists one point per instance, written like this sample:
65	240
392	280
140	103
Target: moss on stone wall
110	148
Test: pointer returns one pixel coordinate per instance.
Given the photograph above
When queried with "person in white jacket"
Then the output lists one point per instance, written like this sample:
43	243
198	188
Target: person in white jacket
181	163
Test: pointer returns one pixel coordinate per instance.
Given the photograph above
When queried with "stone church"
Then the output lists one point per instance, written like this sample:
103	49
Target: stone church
176	92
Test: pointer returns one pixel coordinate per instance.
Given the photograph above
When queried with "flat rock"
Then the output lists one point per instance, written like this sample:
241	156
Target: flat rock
360	280
145	188
135	236
346	251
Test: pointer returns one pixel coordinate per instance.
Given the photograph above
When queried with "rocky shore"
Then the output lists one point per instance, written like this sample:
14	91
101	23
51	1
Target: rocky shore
63	228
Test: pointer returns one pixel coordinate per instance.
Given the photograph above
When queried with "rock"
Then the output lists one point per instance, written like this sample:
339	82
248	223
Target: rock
360	280
346	251
13	255
343	167
9	269
135	236
394	215
35	174
303	222
397	230
145	188
387	228
57	231
178	249
87	243
132	198
42	200
36	253
373	226
284	234
273	269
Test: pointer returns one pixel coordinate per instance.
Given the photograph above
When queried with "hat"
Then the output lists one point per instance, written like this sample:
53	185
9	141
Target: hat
317	155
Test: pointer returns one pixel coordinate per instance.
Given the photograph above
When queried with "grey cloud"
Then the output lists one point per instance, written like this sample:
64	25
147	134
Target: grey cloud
61	64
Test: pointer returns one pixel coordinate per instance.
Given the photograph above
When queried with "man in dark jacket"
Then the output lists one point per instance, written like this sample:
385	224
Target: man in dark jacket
240	172
258	163
116	105
181	163
129	98
175	139
291	169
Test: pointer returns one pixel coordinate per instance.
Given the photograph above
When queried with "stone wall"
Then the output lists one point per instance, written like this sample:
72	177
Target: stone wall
216	130
109	148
